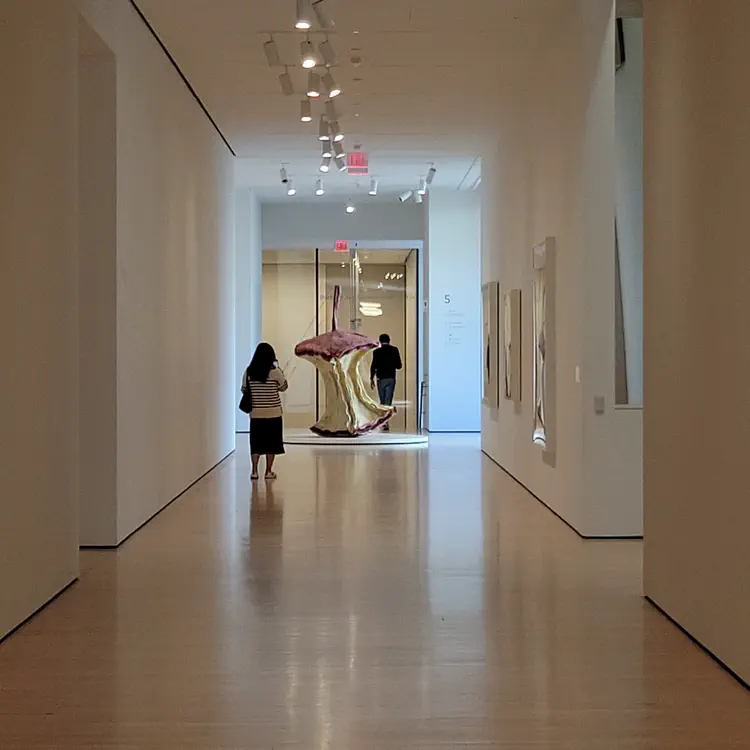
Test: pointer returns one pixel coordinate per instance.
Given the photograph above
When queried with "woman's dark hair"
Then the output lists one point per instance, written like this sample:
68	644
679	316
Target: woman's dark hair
262	363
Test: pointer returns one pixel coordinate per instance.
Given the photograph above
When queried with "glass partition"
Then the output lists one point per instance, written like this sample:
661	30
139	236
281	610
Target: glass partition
289	316
379	295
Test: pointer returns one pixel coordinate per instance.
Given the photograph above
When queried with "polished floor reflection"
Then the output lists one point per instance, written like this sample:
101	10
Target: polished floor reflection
371	598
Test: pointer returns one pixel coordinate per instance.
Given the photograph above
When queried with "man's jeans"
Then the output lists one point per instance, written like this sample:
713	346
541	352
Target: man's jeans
386	387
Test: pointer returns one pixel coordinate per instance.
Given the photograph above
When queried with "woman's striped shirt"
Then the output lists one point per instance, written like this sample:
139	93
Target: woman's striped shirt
266	399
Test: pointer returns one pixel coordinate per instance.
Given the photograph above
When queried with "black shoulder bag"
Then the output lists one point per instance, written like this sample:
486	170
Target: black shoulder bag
246	402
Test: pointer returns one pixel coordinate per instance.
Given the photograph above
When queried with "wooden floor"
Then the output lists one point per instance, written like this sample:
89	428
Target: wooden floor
397	598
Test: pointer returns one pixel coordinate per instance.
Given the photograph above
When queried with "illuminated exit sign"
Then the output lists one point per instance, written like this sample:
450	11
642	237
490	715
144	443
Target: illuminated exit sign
357	163
342	246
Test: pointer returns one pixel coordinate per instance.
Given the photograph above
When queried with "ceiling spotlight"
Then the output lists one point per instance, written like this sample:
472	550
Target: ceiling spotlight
271	52
325	165
290	189
305	111
326	52
285	81
327	150
319	187
418	197
283	175
308	56
330	85
350	208
422	189
431	175
336	134
313	85
304	15
338	149
373	186
331	112
340	163
324	130
405	196
321	13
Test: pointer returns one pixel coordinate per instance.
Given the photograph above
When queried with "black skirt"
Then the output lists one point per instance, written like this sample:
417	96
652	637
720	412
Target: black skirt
267	437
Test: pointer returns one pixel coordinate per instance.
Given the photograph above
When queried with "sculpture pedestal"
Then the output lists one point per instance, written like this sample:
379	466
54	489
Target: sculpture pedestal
305	437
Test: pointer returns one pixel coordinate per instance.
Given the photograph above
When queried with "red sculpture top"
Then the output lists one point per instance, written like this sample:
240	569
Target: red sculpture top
334	344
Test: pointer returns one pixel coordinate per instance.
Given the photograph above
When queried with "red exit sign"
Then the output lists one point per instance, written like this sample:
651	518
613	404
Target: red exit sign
357	163
342	246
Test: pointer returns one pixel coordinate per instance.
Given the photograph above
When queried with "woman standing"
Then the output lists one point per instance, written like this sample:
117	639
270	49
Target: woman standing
265	381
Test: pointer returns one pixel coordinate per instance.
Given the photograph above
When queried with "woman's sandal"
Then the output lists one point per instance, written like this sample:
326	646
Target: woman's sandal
271	475
254	477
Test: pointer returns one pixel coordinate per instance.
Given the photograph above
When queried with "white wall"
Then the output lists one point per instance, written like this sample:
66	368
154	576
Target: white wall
38	307
248	244
176	383
296	225
174	292
697	361
454	330
629	199
551	172
97	288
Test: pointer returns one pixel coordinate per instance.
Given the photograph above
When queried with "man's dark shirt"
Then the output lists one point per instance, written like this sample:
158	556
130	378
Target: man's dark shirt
386	359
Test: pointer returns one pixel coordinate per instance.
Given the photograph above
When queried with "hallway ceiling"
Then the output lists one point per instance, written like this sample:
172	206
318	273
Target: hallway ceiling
420	95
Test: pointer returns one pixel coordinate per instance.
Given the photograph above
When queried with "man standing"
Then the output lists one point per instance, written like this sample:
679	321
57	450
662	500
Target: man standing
386	359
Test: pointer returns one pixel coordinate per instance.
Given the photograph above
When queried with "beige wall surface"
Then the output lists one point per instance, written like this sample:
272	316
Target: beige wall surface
176	384
697	361
38	306
551	173
173	316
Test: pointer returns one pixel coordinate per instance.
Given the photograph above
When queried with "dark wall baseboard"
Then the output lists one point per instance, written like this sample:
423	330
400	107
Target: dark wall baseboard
158	512
39	610
586	537
695	641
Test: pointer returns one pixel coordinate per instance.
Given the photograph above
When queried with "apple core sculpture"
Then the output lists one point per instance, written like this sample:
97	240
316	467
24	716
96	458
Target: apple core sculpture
349	409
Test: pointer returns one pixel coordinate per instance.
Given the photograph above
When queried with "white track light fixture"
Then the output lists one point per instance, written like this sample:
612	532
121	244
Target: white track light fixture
331	112
271	52
324	130
350	208
313	85
320	8
290	189
418	197
327	150
373	186
305	114
325	165
336	134
330	85
422	189
338	150
307	55
319	187
405	196
285	81
284	176
327	52
431	175
304	18
341	163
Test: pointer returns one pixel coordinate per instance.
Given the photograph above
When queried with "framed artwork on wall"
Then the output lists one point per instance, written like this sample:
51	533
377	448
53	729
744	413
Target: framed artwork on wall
511	350
490	340
544	343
